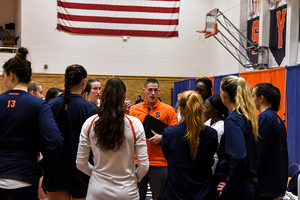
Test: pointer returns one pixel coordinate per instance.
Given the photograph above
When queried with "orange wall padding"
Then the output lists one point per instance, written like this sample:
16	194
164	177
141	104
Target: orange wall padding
274	76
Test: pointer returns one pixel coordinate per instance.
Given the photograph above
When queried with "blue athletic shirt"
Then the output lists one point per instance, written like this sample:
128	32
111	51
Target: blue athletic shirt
238	153
65	175
188	179
273	169
27	126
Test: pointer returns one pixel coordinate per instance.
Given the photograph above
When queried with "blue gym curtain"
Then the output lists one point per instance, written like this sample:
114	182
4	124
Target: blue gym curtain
217	82
181	86
276	77
293	110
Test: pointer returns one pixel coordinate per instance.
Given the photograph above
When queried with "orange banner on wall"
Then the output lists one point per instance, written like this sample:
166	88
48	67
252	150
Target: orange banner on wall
274	76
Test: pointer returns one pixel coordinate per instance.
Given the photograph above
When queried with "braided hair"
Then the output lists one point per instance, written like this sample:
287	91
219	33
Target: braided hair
73	76
19	66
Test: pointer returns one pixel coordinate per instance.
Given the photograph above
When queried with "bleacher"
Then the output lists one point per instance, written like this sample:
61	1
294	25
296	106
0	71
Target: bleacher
9	45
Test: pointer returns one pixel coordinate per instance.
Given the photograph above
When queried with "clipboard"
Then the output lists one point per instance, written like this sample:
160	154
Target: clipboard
151	123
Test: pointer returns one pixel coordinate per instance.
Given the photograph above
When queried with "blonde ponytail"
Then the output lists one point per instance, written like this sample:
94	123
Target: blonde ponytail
191	105
246	104
240	94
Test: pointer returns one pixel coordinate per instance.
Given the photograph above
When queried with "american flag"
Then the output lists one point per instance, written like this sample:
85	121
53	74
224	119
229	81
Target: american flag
152	18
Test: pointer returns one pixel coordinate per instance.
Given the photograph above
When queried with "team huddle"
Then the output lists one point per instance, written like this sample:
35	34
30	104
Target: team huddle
213	146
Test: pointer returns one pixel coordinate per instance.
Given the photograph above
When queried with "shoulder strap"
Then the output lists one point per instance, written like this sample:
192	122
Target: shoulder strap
133	132
88	132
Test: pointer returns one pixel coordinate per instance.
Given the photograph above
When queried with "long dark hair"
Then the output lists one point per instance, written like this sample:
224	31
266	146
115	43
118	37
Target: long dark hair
270	92
87	89
109	129
73	76
19	66
52	93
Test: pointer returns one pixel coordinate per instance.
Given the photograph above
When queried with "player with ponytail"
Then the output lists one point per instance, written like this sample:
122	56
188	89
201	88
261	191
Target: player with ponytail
189	148
115	139
235	176
273	169
70	110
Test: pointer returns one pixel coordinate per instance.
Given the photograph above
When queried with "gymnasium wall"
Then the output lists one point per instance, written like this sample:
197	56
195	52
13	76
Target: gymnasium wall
134	84
223	62
184	56
168	59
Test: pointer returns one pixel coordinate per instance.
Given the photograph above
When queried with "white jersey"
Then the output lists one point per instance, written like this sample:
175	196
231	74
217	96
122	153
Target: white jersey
219	127
113	175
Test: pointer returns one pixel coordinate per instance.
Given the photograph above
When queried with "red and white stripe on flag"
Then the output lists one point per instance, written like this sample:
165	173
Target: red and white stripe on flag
153	18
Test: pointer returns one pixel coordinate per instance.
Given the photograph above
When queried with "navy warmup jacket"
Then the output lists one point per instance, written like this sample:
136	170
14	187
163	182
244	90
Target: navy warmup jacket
188	179
27	126
238	154
65	175
273	169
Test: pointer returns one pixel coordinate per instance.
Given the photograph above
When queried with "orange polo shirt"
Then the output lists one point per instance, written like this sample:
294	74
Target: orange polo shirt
162	112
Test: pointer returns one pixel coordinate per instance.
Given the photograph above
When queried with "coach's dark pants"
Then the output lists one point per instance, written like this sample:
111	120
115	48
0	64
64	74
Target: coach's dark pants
156	176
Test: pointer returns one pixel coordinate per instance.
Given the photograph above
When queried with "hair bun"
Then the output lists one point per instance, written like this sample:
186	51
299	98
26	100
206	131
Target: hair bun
22	53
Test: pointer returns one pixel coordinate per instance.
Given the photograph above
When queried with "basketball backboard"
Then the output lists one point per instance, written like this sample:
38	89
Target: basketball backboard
211	23
211	20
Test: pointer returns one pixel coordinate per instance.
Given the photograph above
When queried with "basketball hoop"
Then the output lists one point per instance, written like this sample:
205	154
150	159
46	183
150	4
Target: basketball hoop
231	42
208	34
211	25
